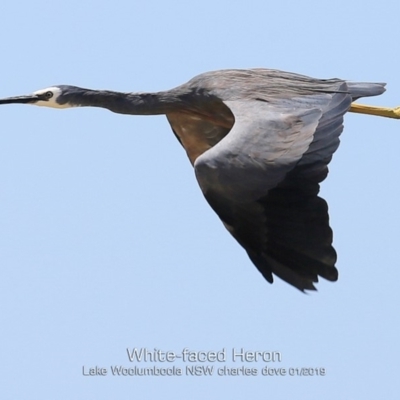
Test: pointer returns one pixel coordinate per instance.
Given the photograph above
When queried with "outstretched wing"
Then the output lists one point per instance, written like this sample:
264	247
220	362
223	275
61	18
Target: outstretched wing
262	179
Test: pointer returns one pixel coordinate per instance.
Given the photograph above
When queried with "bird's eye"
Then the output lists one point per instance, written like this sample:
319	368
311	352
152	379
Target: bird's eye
48	95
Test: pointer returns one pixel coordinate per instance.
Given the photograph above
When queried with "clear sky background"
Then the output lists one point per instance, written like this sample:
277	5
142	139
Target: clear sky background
106	242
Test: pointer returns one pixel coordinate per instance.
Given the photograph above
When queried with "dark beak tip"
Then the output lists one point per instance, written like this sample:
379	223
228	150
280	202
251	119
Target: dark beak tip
19	100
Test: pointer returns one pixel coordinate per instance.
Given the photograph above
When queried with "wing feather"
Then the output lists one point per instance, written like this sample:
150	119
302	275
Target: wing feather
262	179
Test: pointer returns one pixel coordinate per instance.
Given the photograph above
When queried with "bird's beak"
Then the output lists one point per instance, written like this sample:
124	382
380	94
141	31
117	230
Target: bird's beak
32	98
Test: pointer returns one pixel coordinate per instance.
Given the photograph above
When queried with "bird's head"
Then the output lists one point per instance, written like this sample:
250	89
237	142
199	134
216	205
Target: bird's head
54	96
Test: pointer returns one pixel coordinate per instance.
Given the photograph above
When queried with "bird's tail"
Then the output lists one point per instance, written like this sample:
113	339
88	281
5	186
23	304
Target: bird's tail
365	89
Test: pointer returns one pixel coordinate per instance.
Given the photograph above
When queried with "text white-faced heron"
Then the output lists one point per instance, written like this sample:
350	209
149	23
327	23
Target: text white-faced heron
260	142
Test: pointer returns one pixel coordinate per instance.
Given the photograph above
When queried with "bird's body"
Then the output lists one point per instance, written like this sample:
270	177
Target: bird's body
260	142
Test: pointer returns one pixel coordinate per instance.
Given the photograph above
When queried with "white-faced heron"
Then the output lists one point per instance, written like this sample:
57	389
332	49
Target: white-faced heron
260	142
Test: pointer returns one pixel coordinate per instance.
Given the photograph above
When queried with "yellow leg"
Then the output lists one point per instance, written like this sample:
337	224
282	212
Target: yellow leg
379	111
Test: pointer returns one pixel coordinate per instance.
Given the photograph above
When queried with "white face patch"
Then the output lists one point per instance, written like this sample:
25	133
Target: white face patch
51	102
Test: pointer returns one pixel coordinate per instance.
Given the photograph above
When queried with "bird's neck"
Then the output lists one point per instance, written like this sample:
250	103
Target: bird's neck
128	103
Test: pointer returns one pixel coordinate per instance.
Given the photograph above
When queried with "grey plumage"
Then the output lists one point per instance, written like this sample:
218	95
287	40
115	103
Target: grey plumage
260	142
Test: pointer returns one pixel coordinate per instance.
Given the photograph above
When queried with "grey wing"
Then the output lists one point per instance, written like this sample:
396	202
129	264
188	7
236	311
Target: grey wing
263	178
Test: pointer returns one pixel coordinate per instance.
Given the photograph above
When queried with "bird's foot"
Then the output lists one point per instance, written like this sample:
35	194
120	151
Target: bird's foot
378	111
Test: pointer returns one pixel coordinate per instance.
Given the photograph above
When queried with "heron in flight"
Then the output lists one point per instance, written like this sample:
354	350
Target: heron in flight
260	142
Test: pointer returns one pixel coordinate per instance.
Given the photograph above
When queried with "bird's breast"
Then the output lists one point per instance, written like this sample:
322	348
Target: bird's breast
197	132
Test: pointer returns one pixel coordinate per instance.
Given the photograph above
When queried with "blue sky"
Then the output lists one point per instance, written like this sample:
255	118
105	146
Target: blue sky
106	242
